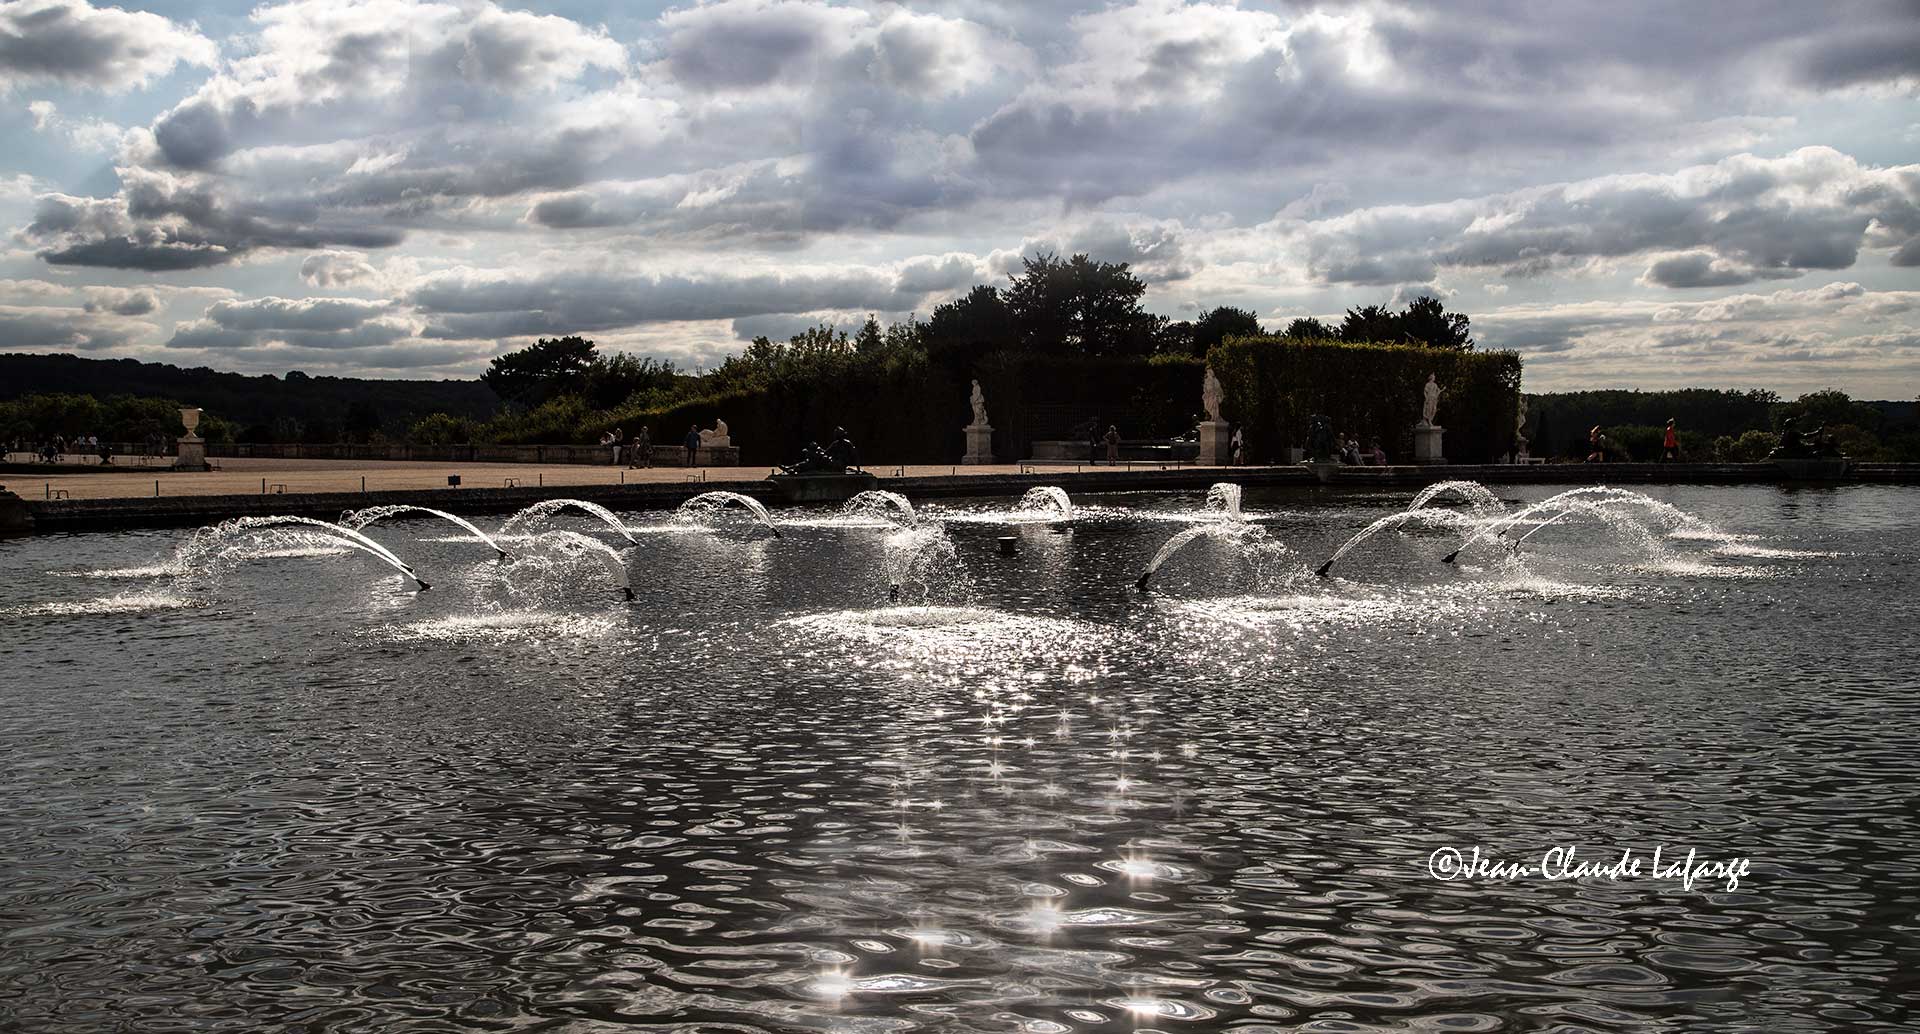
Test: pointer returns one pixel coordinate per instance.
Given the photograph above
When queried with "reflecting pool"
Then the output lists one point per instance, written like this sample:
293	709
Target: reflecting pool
853	769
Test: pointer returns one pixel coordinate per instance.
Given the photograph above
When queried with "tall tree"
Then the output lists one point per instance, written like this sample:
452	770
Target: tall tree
1306	328
869	341
1079	306
1425	321
1218	324
540	371
1370	323
961	331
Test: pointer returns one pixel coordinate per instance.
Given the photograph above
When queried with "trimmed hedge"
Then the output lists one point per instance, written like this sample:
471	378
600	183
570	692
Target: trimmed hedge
915	414
911	418
1154	397
1272	385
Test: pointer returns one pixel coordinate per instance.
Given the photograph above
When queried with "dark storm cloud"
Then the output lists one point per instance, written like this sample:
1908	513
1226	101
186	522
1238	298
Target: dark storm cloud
160	222
73	43
749	43
121	301
1704	269
1873	51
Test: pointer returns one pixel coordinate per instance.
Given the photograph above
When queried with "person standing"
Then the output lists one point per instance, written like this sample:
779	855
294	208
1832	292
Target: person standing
1670	445
1237	448
1113	444
641	455
1093	442
692	443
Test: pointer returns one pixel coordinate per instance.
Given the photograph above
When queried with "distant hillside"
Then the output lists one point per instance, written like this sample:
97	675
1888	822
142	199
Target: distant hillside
317	404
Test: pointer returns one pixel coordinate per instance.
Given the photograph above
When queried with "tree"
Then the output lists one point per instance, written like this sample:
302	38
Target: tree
1830	408
962	331
613	379
1079	306
1425	321
441	429
1306	328
363	421
1218	324
869	341
542	370
1370	323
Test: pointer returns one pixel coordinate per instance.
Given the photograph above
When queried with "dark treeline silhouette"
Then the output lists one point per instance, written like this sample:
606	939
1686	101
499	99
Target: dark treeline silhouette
262	408
1717	425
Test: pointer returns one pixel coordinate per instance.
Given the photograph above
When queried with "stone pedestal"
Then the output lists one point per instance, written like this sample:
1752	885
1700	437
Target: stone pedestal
1216	447
717	455
192	454
979	446
1426	444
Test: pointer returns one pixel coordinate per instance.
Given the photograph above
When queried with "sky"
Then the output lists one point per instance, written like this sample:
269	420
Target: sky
1629	194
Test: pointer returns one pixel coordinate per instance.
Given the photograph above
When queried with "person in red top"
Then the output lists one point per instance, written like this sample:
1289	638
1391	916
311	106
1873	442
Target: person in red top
1670	446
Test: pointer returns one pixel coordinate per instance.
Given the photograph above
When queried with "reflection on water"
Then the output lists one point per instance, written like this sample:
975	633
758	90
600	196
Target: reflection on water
298	794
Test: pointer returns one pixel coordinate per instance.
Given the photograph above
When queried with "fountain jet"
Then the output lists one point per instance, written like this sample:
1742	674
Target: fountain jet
879	504
1392	520
712	502
346	536
1236	532
1046	497
357	519
546	508
1596	499
575	543
1223	498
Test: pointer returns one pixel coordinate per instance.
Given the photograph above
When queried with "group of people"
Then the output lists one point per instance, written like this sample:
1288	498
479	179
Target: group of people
50	450
1351	454
634	452
637	452
1599	445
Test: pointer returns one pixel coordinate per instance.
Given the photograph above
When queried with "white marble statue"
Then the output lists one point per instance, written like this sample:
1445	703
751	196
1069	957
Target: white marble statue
716	438
1210	392
979	400
1430	403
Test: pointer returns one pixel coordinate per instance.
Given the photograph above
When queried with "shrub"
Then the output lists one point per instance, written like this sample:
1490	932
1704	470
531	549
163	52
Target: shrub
1750	447
1272	385
441	429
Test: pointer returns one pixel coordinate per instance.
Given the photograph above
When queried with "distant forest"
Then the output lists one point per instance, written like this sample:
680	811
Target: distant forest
262	408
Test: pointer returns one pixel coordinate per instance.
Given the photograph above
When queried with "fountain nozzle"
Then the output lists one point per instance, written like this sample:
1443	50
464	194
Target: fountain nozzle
1141	584
1324	568
628	590
1451	557
423	585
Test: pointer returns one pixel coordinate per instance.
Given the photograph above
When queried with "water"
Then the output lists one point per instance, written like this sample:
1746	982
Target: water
762	798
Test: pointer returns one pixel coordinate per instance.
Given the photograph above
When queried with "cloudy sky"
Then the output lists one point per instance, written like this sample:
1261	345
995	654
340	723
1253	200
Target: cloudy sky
1630	194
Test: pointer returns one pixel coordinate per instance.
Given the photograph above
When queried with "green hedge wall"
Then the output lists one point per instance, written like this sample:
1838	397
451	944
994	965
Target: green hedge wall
1272	385
1146	397
915	415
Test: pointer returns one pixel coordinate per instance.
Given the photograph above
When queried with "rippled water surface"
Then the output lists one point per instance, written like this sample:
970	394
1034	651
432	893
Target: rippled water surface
873	776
